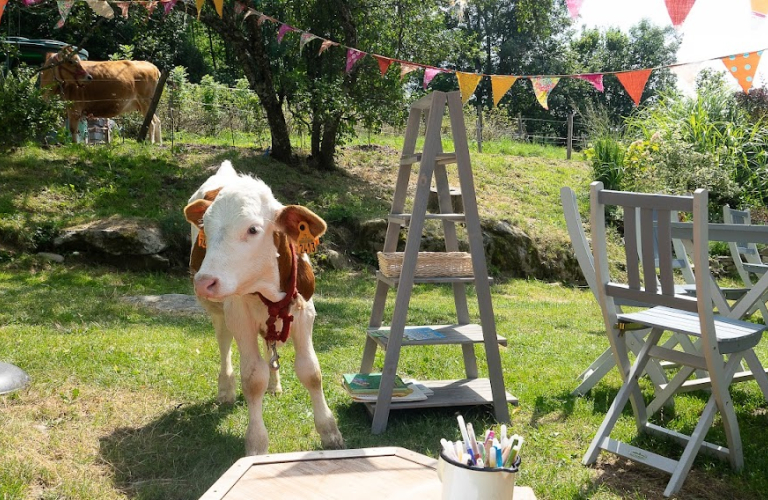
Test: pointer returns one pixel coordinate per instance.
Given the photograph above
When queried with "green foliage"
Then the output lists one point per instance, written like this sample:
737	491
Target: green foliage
25	115
606	155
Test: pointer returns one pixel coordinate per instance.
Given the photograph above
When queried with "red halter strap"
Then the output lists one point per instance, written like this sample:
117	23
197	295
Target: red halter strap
280	309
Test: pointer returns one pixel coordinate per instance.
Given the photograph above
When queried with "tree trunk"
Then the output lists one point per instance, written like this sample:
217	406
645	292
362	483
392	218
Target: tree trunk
251	54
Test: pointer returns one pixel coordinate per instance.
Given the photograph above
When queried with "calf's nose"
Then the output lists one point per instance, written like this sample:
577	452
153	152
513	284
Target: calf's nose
206	285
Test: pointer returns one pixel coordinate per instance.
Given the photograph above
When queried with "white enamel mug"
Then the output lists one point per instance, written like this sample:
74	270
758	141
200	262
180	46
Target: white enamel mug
461	482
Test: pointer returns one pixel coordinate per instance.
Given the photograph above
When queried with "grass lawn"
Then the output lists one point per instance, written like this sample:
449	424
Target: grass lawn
122	400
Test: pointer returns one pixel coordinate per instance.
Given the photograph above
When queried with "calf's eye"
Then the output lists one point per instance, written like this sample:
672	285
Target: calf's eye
253	230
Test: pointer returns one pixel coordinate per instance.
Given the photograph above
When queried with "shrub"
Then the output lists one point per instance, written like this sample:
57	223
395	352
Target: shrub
25	115
606	155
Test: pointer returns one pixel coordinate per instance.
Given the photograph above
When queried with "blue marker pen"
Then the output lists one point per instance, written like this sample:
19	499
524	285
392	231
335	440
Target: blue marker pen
499	462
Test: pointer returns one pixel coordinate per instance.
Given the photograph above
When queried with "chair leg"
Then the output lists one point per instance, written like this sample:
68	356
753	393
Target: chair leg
758	371
629	391
595	372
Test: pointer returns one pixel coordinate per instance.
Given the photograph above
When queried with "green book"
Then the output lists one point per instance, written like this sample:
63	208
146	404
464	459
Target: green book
368	383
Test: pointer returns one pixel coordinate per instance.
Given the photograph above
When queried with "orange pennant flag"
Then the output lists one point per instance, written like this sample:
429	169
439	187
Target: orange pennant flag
500	84
634	82
467	84
743	68
219	4
199	4
2	7
406	68
678	10
760	8
384	63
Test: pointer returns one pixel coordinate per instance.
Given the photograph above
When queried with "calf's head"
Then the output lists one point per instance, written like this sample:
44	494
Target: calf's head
241	222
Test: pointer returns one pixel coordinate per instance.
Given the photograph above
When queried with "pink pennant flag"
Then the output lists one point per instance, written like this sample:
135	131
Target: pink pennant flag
124	8
634	82
596	79
305	39
325	45
429	74
353	55
542	86
384	63
28	3
406	68
168	6
284	28
678	10
2	8
574	6
64	7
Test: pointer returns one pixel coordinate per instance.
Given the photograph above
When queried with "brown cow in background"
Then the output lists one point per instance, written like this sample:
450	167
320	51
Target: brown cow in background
101	89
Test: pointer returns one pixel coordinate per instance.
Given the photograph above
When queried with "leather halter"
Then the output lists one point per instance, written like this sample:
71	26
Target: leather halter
59	68
280	309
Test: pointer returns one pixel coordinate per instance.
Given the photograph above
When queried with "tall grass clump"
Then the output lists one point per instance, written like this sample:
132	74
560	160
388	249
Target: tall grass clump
605	152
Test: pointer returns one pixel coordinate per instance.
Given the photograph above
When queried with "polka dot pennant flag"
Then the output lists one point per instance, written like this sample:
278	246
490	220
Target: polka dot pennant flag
678	10
760	8
634	82
500	84
743	67
542	86
467	84
353	55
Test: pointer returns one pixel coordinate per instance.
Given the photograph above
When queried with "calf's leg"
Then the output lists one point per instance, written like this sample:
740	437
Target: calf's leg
254	374
227	388
308	371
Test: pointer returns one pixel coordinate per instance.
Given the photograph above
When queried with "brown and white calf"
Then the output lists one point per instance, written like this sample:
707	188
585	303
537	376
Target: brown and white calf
251	277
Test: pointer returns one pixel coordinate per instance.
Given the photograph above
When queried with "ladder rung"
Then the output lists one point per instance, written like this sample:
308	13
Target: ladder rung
404	219
423	103
393	282
440	159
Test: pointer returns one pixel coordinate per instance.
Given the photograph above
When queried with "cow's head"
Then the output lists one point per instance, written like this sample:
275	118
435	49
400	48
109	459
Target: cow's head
239	221
67	66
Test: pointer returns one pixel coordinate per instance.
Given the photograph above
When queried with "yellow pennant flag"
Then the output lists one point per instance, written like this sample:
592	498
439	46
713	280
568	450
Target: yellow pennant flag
467	84
500	85
760	8
219	4
199	4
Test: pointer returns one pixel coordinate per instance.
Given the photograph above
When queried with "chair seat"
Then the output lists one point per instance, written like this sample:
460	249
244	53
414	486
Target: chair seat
756	268
732	335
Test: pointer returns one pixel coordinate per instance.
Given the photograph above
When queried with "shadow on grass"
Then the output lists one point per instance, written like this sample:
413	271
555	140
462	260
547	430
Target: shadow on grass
179	455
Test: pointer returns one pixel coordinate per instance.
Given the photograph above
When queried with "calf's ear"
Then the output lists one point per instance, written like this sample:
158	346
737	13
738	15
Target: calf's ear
289	218
194	211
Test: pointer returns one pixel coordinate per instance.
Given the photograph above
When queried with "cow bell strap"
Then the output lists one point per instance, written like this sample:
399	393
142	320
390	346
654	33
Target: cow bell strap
281	308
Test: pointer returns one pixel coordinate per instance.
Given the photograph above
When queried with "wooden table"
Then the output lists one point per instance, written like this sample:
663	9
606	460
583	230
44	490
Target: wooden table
369	473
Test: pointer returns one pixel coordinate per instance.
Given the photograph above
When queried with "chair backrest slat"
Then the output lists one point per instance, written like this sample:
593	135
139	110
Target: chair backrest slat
647	240
630	248
666	265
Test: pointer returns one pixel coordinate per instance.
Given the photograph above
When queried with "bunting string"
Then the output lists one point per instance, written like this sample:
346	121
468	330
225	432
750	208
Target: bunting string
742	66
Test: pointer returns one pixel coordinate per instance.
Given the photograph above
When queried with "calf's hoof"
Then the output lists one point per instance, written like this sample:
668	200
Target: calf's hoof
333	441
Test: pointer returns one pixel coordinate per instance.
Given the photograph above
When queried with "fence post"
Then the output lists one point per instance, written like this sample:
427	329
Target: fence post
569	143
479	127
153	106
520	126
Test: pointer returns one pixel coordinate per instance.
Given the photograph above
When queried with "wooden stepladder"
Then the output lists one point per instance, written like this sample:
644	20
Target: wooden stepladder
432	161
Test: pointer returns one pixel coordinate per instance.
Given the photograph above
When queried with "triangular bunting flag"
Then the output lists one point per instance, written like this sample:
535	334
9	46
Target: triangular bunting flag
101	8
500	84
678	10
169	5
596	79
124	8
219	4
743	68
406	68
64	7
634	82
542	86
384	63
262	18
199	4
760	8
429	74
467	84
2	8
28	3
686	75
353	55
305	39
325	45
150	8
574	6
239	7
284	28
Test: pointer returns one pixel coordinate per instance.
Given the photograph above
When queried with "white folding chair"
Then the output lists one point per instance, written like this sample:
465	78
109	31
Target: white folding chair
723	342
605	362
746	257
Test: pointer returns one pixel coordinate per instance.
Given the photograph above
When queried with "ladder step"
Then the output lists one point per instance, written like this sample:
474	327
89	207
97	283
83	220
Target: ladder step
404	219
394	281
639	455
440	159
452	334
448	393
